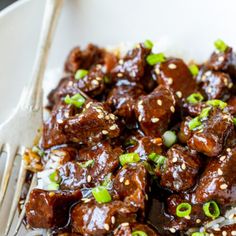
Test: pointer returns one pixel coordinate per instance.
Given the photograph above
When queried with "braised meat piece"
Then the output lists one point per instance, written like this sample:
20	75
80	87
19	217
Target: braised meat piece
84	59
93	124
232	105
131	185
123	96
132	66
50	209
92	218
180	170
175	75
216	85
193	109
105	160
154	111
211	138
218	182
223	61
185	133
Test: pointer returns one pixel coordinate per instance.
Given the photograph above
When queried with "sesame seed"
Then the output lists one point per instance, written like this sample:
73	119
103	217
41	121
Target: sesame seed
95	82
112	116
230	85
208	73
172	109
223	186
106	227
209	90
98	78
88	105
225	81
211	234
113	219
104	132
140	118
154	120
100	116
172	230
224	233
222	158
221	58
170	81
121	61
220	172
157	71
85	200
146	196
159	102
172	66
121	179
59	121
119	74
51	194
113	127
125	224
179	94
203	78
174	159
183	166
89	178
233	232
99	66
231	216
217	229
107	117
228	149
187	217
198	221
127	182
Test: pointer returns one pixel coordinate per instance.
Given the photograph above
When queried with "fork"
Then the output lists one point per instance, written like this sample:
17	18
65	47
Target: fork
19	131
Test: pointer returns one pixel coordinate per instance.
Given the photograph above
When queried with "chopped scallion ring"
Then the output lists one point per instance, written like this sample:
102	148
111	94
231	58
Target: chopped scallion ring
129	158
183	209
53	186
198	234
211	209
139	233
204	113
194	123
106	80
217	103
55	177
80	74
86	164
220	45
169	138
234	121
37	150
158	159
153	59
194	69
148	44
130	142
77	100
101	194
194	98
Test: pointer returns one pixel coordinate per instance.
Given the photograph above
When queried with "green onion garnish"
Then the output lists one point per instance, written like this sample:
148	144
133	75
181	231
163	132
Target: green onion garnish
204	113
129	158
194	69
101	194
153	59
194	98
55	177
234	121
149	168
76	100
220	45
211	209
106	80
80	74
37	150
86	164
183	209
217	103
194	123
158	159
53	186
139	233
107	180
169	138
148	44
198	234
130	142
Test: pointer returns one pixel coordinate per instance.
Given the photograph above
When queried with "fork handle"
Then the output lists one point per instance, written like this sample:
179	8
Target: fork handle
50	19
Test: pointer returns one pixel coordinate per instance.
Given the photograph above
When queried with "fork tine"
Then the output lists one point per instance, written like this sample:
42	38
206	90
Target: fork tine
11	152
22	214
19	185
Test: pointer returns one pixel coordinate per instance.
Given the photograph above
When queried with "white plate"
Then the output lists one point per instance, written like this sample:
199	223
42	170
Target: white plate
184	27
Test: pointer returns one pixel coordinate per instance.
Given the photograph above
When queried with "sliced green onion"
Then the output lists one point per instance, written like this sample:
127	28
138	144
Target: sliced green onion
101	194
194	123
198	234
158	159
106	80
194	98
130	142
183	209
86	164
234	121
80	74
107	180
217	103
220	45
53	186
149	168
77	100
148	44
55	177
139	233
194	69
37	150
204	113
169	138
211	209
153	59
129	158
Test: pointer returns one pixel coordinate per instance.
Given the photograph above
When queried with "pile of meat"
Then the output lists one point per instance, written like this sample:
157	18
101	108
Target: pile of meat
127	103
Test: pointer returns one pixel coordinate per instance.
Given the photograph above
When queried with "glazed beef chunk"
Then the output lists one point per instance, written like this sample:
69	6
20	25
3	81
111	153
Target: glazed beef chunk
185	133
50	209
180	170
175	75
154	111
104	160
92	218
132	66
123	96
232	105
211	138
218	182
